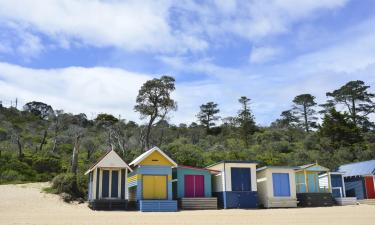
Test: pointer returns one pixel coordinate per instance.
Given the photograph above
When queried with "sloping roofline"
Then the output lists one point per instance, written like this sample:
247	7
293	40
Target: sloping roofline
310	165
140	158
277	167
234	161
101	158
197	168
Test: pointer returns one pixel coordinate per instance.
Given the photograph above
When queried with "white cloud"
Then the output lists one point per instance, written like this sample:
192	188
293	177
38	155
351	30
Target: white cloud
264	54
74	89
158	26
131	25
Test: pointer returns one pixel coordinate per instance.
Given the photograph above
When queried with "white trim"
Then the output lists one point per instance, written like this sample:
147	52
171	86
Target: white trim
119	184
110	184
149	152
341	194
116	162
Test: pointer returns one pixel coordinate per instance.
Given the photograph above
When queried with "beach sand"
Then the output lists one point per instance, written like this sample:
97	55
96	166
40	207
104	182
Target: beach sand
27	204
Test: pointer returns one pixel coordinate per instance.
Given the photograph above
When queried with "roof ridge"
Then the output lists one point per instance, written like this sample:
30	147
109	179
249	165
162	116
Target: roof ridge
357	162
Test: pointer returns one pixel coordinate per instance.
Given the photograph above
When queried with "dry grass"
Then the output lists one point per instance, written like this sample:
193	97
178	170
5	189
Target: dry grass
27	204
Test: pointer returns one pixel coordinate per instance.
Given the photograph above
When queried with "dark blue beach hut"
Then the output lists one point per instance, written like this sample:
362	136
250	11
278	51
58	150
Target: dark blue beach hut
359	179
236	185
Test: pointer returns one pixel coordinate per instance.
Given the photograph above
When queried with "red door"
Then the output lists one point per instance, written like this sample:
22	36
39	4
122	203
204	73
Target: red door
370	187
194	186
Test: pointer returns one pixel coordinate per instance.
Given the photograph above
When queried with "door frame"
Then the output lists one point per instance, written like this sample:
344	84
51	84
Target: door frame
110	183
194	185
166	185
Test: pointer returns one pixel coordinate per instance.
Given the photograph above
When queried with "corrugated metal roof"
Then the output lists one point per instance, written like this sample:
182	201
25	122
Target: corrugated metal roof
358	168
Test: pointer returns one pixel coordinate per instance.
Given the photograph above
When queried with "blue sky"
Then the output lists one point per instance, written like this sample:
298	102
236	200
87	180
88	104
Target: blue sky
93	56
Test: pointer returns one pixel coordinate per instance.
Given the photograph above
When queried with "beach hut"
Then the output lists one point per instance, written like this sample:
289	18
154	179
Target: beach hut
192	187
150	183
235	186
337	187
359	180
276	186
307	183
108	187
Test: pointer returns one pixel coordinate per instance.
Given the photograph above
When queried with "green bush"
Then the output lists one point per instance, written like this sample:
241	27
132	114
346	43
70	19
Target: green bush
47	165
64	182
76	186
11	176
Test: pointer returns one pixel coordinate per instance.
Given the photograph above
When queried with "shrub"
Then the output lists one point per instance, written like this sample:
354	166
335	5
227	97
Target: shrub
64	182
75	186
47	165
11	176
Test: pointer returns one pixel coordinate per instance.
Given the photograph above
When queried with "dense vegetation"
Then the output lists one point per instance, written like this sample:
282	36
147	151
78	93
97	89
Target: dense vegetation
39	143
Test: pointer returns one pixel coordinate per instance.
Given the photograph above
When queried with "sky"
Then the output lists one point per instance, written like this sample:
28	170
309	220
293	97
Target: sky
92	56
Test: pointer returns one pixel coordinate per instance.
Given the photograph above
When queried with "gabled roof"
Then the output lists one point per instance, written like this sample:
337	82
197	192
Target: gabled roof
108	160
358	168
234	161
149	152
311	165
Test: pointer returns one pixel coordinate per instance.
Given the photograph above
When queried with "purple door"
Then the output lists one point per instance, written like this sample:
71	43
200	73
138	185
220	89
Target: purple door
194	186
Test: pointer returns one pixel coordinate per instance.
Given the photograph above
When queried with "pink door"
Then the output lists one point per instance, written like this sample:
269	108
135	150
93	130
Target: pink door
189	186
199	186
194	186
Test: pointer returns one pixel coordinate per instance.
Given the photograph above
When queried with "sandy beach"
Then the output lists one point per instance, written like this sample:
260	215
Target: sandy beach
27	204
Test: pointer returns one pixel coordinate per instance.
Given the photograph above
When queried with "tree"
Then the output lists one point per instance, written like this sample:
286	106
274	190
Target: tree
154	102
39	109
246	120
288	120
304	109
104	118
340	129
355	97
207	115
77	133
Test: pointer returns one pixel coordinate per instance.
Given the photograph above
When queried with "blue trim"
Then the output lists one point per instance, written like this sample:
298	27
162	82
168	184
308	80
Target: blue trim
237	199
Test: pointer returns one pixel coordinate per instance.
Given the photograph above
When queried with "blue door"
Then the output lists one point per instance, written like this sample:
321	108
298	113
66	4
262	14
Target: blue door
105	184
240	178
114	188
281	185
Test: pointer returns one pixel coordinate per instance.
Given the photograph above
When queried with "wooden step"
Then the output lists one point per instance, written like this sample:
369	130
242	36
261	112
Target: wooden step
367	201
346	201
198	203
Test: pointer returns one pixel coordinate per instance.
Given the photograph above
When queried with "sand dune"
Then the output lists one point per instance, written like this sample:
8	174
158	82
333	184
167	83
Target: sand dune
26	204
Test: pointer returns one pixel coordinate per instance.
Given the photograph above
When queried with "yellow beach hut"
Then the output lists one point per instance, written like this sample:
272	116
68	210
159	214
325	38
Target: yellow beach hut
150	183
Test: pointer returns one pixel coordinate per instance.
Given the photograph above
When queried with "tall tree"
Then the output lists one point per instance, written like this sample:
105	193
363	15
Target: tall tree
246	120
287	120
154	101
207	115
355	97
39	109
339	128
304	109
